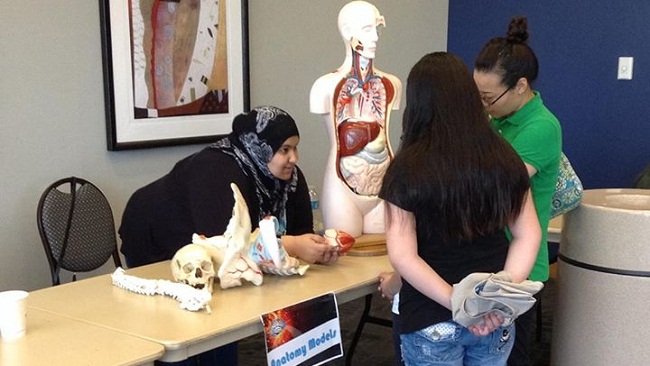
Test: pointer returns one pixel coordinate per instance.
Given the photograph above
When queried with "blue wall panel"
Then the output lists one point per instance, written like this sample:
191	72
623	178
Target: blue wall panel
606	122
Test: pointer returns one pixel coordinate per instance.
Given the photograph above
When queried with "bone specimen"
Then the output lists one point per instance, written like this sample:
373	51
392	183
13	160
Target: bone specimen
230	251
192	265
189	298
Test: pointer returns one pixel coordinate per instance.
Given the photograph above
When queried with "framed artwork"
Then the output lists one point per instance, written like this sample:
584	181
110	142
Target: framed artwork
175	72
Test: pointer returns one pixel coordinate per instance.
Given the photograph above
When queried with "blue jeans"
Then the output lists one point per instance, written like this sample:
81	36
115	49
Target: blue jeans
450	344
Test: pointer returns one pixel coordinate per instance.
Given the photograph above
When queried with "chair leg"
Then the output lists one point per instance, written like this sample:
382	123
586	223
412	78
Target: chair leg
365	318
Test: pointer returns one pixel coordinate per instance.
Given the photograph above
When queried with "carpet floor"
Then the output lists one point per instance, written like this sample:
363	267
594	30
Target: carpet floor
375	346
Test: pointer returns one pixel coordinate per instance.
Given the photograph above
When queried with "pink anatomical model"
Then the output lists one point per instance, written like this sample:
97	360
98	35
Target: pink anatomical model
355	102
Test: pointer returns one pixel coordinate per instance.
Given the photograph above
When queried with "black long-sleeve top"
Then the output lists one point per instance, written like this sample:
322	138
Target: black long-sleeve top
195	197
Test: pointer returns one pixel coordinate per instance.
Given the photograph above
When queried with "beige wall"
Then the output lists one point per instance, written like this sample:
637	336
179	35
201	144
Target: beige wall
52	121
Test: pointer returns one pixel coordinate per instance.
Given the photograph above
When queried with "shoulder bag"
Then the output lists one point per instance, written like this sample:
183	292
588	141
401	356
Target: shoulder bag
568	189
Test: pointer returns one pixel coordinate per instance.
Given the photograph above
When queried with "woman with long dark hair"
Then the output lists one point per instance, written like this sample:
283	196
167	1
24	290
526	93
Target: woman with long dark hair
451	191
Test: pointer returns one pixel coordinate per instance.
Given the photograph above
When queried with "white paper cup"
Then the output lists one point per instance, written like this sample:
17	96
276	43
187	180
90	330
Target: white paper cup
13	314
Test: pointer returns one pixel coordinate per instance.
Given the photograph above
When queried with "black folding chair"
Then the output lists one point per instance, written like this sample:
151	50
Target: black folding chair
77	229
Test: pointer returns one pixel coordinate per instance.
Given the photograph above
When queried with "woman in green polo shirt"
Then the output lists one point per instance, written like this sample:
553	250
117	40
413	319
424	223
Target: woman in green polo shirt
504	72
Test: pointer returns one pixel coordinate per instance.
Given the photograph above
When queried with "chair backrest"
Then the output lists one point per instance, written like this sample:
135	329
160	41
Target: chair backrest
76	225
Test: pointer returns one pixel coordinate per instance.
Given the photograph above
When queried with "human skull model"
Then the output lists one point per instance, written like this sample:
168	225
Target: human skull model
192	265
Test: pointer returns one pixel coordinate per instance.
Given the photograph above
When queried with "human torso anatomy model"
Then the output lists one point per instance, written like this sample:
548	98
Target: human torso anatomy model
355	102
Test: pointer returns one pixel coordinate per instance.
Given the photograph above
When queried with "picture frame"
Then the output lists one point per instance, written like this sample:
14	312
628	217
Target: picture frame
149	104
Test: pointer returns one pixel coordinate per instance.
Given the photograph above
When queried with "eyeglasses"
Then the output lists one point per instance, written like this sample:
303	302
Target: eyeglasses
489	104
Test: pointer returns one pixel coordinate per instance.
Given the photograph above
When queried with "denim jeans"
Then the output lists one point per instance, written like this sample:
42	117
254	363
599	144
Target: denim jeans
450	344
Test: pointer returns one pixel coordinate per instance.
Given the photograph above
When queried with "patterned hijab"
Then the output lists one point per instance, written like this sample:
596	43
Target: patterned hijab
256	136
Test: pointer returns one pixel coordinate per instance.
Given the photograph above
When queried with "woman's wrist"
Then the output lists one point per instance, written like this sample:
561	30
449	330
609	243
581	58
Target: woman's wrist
288	242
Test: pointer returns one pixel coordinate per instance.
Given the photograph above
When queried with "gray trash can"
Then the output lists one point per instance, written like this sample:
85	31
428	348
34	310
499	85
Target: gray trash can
602	313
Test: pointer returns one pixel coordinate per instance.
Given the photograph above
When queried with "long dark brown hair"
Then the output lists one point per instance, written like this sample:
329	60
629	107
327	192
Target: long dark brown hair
451	166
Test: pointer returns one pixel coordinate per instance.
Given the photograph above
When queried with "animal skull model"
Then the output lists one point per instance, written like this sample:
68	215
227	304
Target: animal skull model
192	265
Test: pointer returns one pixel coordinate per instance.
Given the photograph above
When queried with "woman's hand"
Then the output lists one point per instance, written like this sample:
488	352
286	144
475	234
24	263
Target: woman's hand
389	284
490	322
310	248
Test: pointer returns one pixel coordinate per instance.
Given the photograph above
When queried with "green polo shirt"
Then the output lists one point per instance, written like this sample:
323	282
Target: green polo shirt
535	133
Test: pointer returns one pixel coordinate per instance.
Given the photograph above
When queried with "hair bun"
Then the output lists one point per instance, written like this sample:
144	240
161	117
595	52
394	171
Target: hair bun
518	30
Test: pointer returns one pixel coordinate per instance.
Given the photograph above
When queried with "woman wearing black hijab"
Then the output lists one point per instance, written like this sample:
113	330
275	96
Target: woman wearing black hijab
260	156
